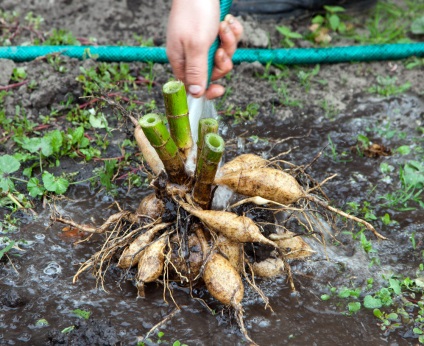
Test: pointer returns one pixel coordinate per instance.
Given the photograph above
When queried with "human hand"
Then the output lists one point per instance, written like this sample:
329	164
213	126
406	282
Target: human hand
192	28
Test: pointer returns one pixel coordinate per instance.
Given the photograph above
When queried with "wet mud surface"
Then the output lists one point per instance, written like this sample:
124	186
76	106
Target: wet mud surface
37	282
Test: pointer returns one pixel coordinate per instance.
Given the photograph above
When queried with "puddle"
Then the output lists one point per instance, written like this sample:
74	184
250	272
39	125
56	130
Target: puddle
39	284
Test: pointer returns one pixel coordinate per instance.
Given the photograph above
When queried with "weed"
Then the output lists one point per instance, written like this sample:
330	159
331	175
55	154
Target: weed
287	100
149	75
364	210
386	86
82	313
57	63
105	77
414	62
288	36
18	74
334	20
142	42
381	28
42	322
334	154
61	37
239	114
330	110
68	329
306	77
411	177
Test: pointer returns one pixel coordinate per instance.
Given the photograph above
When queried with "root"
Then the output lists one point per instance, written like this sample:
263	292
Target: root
289	275
157	325
252	283
321	184
348	216
110	221
262	201
238	310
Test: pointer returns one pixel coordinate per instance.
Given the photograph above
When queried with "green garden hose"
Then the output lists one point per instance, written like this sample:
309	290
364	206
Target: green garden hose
287	56
224	9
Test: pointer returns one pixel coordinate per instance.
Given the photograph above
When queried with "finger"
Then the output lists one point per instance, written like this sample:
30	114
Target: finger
228	40
214	91
222	64
235	26
196	69
177	61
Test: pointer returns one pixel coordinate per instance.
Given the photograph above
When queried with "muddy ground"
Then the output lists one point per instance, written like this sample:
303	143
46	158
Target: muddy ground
336	104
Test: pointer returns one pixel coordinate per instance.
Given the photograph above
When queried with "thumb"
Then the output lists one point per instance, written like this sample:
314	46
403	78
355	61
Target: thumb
196	71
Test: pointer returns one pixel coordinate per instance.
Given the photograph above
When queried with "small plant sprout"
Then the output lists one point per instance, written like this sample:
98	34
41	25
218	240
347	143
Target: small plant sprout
288	36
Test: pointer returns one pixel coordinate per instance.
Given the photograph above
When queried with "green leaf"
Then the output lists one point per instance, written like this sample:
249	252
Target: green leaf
403	150
6	184
334	21
160	334
386	219
56	140
8	164
372	303
54	184
33	145
19	73
334	9
35	188
77	134
84	143
385	296
417	26
395	286
82	313
318	20
98	122
377	313
46	146
413	174
176	343
325	297
385	168
354	307
419	281
3	251
364	140
42	322
392	316
68	330
417	331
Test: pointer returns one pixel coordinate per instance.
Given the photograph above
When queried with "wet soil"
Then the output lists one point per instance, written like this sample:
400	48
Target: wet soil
37	284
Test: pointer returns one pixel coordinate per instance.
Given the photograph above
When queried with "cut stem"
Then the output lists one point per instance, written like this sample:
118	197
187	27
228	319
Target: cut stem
207	125
176	109
207	165
156	132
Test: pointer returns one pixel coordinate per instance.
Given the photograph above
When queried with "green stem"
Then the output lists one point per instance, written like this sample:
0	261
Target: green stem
18	179
207	165
176	109
206	125
156	132
14	200
82	181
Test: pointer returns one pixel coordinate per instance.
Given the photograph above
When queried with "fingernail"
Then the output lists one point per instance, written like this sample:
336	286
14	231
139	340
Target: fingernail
194	89
229	18
225	28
